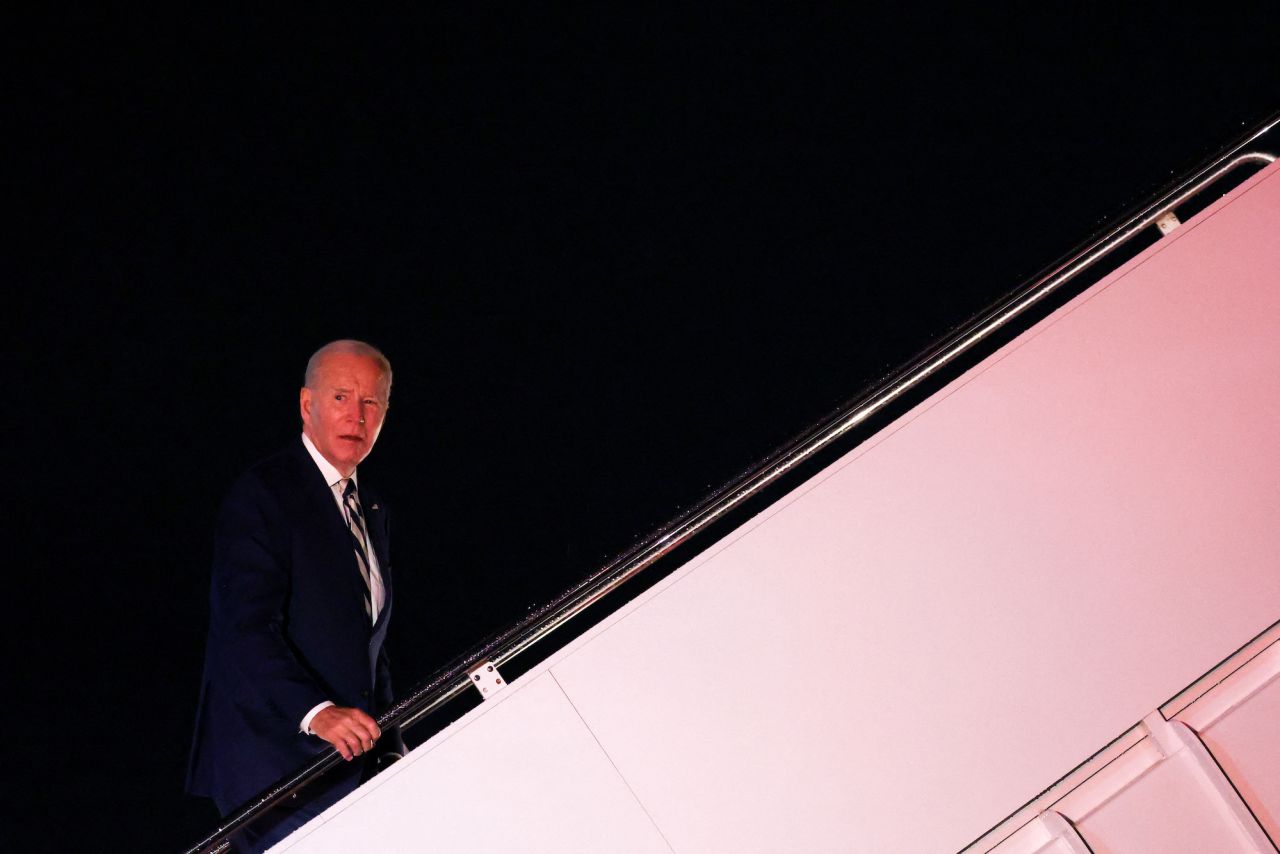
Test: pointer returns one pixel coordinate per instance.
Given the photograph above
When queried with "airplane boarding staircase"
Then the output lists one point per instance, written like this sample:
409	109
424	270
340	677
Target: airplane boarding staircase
1031	610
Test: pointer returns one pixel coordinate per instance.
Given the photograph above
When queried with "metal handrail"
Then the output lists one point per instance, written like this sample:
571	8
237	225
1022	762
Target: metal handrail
453	680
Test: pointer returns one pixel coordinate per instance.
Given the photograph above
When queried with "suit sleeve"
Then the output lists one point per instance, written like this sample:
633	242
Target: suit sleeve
382	683
250	593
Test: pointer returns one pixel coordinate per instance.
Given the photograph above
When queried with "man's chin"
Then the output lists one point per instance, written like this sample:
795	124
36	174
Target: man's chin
352	451
346	458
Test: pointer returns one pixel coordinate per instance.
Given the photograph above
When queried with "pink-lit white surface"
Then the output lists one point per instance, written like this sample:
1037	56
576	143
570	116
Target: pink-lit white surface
511	777
1246	743
923	637
1164	812
1138	796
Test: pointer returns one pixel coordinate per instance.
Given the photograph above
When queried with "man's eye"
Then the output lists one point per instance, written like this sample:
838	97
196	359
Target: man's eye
370	402
339	397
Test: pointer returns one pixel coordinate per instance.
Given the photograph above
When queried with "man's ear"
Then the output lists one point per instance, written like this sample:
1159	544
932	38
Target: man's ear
304	405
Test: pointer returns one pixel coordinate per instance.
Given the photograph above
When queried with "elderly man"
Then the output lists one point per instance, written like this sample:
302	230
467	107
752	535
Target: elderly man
299	606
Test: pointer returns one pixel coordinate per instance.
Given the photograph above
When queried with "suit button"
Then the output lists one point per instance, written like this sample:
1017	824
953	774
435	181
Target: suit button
365	693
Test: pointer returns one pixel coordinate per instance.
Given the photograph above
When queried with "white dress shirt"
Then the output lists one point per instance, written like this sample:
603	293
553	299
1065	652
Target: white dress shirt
377	595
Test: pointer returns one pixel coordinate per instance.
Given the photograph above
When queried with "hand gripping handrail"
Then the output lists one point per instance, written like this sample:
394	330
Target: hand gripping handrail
452	681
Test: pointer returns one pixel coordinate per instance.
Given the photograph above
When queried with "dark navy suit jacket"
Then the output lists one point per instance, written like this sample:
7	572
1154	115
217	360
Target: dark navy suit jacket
287	631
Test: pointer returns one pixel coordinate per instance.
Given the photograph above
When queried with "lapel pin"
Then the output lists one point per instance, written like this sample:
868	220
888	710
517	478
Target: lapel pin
374	507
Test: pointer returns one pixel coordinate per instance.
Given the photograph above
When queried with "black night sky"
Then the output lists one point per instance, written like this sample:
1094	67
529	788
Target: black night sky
615	256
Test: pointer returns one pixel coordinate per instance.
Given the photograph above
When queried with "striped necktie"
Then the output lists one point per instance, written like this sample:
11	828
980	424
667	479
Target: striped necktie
359	541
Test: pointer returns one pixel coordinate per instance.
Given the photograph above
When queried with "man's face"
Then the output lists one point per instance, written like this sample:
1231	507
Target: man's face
342	414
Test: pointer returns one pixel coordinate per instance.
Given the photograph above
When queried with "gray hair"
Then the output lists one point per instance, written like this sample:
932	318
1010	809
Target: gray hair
345	345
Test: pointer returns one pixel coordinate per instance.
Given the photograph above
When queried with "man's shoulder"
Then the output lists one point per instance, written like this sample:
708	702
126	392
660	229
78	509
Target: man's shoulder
283	471
288	462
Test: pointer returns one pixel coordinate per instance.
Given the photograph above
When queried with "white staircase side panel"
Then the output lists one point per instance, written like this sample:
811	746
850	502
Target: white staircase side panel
518	774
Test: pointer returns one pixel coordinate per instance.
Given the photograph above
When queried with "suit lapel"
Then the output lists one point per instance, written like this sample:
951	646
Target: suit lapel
331	528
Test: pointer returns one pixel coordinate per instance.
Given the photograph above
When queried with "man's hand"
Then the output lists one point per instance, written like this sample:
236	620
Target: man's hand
349	730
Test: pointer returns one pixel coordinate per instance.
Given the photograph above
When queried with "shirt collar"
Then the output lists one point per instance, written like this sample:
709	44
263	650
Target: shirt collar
331	475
